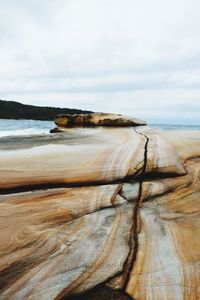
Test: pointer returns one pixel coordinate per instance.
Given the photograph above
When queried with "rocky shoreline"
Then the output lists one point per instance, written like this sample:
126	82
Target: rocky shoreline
99	211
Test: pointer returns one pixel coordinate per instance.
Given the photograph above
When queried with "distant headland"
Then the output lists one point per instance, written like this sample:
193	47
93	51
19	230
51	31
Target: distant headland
17	110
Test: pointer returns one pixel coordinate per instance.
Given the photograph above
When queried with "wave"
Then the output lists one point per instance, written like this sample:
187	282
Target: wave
20	132
24	127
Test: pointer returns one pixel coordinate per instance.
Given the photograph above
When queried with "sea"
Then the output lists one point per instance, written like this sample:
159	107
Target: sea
32	127
24	127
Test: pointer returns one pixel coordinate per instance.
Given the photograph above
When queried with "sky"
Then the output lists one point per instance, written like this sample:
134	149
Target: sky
136	57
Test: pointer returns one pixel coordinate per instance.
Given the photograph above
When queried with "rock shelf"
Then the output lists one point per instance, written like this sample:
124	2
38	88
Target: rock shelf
111	209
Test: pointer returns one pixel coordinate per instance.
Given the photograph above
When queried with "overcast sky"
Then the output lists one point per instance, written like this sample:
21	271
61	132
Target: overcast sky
136	57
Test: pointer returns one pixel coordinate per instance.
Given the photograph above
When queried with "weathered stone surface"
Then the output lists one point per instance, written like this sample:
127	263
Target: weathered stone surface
162	158
83	156
167	263
96	119
112	206
52	244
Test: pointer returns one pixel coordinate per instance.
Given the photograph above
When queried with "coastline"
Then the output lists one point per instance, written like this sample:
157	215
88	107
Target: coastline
12	127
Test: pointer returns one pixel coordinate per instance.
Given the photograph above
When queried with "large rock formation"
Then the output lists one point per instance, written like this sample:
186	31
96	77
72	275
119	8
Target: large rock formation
100	213
96	119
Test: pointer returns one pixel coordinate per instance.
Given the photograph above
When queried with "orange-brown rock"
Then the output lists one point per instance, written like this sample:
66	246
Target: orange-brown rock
96	119
112	206
167	261
80	156
45	236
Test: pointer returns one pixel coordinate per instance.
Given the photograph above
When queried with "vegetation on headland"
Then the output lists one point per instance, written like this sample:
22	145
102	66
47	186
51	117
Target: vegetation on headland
16	110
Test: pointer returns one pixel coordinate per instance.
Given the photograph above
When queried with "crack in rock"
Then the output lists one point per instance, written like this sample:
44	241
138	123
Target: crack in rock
133	242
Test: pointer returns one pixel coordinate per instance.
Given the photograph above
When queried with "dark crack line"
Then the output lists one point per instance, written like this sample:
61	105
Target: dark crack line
49	186
137	177
133	241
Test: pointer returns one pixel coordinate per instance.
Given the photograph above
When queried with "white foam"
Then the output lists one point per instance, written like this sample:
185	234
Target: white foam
20	132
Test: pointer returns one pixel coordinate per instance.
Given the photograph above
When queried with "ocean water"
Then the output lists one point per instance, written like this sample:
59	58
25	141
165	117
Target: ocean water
175	127
32	127
24	127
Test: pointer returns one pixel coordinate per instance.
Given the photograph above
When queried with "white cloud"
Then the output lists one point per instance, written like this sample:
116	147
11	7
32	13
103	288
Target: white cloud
138	57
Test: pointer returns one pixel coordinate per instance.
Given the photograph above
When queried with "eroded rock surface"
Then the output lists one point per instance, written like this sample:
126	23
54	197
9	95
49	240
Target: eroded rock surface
116	208
96	119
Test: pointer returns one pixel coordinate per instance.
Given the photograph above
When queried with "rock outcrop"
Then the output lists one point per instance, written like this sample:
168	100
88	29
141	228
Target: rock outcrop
100	212
96	119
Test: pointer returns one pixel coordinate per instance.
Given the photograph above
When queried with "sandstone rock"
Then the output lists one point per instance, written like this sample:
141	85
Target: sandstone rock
112	206
167	263
89	155
45	236
96	119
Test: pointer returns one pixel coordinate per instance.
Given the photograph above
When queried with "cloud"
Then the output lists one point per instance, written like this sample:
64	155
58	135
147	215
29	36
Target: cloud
135	57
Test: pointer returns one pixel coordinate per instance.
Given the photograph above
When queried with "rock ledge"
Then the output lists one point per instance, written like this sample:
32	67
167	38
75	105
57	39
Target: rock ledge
96	119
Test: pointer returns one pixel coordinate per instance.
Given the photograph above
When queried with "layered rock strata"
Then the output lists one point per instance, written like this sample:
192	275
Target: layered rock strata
111	210
96	119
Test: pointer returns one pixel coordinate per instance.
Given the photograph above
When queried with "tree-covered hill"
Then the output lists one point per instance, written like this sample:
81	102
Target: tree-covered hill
16	110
